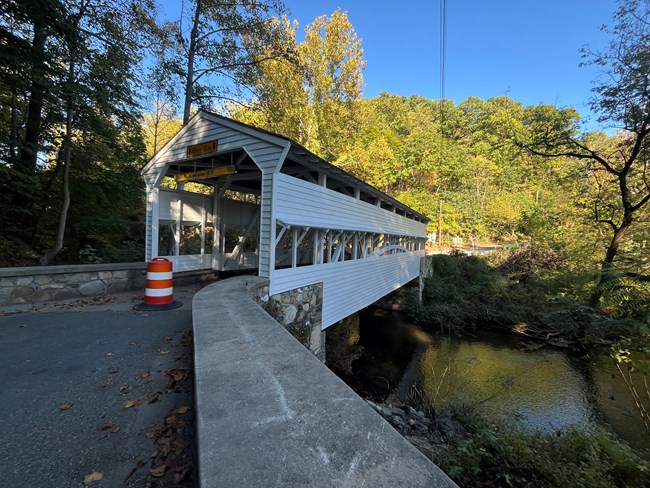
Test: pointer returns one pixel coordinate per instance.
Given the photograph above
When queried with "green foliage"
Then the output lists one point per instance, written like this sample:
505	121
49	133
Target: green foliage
70	120
502	455
311	95
527	289
463	292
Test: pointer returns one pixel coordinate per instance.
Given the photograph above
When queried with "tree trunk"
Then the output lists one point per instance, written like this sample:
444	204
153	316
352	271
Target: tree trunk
67	159
189	80
606	269
14	124
29	146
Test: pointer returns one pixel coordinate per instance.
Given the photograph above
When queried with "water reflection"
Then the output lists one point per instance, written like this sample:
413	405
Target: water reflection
546	389
541	389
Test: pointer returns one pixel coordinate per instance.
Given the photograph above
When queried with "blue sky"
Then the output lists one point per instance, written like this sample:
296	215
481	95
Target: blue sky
525	49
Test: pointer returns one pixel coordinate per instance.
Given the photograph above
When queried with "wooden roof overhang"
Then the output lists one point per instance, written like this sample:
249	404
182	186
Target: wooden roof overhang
299	162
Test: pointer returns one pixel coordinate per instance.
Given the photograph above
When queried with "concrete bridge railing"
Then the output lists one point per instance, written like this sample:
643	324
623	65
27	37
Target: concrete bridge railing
269	413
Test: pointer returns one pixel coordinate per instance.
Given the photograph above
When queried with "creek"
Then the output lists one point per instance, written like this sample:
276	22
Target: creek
544	389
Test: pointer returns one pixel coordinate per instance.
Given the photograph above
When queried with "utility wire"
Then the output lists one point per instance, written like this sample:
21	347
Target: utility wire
443	46
443	62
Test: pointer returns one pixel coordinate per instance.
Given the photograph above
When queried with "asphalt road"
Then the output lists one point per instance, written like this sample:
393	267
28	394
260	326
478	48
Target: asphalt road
89	387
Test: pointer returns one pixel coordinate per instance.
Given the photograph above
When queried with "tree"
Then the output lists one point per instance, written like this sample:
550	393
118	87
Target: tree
99	51
311	96
620	168
209	58
160	126
86	63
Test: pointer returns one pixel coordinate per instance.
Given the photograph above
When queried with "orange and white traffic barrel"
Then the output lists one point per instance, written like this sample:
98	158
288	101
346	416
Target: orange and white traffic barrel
159	292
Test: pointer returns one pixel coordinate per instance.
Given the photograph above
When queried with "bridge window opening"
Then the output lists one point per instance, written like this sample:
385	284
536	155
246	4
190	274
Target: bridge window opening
298	246
364	197
231	235
208	239
242	196
190	239
339	186
283	248
166	239
305	255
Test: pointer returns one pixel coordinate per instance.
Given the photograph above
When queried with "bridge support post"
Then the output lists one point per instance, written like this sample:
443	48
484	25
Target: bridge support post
426	271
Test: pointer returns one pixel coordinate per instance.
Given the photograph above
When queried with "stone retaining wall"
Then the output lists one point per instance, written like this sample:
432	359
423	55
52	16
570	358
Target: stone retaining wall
300	311
45	283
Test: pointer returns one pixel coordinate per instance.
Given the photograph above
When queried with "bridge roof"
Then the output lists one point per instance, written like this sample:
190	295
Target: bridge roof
293	158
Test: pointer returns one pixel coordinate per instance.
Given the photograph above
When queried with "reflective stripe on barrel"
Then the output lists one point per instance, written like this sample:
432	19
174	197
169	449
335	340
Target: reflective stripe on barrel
160	289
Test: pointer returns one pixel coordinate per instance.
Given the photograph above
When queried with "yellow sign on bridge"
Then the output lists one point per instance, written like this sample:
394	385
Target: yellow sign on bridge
205	173
201	149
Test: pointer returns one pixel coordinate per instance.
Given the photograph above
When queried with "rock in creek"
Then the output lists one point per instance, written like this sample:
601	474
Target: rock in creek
421	431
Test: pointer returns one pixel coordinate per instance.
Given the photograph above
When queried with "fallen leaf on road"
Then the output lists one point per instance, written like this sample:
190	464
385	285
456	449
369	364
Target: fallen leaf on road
113	370
92	477
179	445
145	375
177	376
179	357
65	406
153	432
182	409
158	471
109	426
21	326
168	338
132	403
139	464
106	426
109	353
133	343
162	352
151	399
180	472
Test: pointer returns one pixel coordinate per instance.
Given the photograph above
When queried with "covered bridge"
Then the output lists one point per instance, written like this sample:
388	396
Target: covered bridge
269	204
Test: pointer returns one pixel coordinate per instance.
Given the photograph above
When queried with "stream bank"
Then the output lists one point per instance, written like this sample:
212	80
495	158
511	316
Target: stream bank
483	390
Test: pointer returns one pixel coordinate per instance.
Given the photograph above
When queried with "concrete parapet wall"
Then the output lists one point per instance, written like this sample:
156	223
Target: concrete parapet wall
44	283
269	413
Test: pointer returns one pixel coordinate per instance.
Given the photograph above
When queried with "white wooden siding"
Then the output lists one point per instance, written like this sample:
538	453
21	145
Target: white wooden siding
236	213
267	224
305	204
190	262
348	286
192	206
269	159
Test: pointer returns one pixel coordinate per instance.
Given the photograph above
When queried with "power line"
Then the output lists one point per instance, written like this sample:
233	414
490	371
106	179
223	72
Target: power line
443	46
443	62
